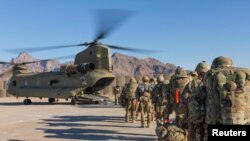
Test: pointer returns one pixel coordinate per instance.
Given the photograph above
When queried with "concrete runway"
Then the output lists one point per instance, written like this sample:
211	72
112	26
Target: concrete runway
42	121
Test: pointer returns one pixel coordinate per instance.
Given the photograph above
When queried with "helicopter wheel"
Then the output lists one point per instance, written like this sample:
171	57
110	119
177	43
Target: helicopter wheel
73	101
27	101
52	100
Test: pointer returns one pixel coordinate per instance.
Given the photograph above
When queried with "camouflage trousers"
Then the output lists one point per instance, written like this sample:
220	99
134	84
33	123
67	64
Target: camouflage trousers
195	131
117	99
160	112
181	116
145	107
130	110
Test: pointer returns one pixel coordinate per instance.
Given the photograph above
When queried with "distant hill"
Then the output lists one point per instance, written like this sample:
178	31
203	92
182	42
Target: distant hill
129	65
122	65
52	65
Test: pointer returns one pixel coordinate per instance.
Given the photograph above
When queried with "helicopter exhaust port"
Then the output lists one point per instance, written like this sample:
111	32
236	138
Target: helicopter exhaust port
85	67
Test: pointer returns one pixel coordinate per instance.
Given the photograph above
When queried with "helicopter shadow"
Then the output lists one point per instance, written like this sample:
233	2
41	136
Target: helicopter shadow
92	128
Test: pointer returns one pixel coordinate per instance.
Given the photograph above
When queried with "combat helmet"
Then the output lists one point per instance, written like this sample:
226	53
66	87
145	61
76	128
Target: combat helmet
202	67
180	72
160	79
222	61
145	78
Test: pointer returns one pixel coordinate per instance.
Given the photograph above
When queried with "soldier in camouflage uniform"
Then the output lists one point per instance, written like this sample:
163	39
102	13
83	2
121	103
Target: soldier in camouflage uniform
131	100
194	93
160	99
117	91
177	83
144	102
227	92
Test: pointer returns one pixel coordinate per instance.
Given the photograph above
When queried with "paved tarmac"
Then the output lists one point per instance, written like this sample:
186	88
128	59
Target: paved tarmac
42	121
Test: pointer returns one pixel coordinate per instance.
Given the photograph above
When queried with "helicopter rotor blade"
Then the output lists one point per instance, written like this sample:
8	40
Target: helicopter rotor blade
143	51
4	63
36	49
109	19
52	59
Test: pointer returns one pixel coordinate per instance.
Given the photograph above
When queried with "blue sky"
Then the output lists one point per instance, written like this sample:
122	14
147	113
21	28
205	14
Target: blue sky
186	31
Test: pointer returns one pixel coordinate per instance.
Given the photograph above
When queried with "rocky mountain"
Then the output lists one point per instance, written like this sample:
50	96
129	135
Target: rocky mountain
123	65
51	65
129	65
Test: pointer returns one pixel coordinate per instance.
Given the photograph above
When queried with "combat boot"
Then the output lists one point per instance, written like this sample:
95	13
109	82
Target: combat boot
143	125
126	117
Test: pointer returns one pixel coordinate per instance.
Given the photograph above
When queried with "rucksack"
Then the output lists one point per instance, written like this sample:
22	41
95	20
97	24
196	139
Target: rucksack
229	88
177	85
131	90
170	132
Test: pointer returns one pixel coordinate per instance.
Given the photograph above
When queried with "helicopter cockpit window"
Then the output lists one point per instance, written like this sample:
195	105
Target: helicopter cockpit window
14	83
52	82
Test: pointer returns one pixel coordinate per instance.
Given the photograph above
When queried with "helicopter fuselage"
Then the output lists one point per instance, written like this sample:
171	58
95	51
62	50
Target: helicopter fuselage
58	84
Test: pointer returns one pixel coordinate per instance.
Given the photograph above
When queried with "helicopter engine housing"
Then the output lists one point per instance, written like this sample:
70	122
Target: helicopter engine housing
73	69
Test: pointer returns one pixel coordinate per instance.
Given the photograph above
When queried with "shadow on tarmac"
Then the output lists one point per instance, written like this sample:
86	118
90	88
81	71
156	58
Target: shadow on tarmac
76	130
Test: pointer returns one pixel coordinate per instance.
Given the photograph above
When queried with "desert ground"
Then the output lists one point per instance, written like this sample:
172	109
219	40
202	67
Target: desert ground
61	121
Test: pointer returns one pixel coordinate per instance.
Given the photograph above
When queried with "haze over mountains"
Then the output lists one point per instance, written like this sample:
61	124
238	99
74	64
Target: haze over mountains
122	65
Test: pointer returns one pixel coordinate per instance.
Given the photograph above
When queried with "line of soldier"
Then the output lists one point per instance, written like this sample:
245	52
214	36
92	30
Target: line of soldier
216	95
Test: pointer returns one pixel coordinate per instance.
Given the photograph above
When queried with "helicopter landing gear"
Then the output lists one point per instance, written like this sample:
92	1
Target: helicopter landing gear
73	100
52	100
27	101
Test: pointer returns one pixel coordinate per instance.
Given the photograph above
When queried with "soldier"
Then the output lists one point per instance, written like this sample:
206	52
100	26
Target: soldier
152	84
117	91
144	102
159	99
177	83
194	93
123	98
131	100
226	100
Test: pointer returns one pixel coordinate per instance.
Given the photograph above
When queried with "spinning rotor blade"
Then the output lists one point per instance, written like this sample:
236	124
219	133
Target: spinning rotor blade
132	49
107	20
5	63
17	50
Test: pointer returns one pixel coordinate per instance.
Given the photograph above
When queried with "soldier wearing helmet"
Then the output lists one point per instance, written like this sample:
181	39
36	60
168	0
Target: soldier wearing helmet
117	91
130	106
193	103
222	62
160	99
177	83
226	93
144	102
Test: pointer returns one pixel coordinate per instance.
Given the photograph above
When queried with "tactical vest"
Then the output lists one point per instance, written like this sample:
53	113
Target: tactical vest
116	90
159	94
228	89
145	87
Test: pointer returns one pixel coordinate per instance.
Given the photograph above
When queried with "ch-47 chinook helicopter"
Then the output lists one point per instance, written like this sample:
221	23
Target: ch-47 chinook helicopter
91	71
